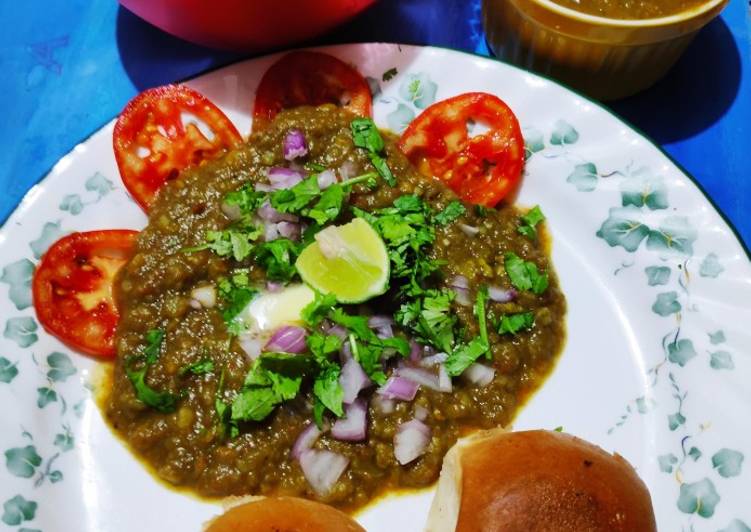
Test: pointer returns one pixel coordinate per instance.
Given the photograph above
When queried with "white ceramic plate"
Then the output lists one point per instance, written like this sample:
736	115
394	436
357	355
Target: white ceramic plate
656	366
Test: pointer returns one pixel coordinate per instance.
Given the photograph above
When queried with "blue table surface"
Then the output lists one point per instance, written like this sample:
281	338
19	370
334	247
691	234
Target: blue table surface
69	66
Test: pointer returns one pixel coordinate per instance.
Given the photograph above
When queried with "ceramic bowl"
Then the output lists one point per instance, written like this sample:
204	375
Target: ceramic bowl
604	57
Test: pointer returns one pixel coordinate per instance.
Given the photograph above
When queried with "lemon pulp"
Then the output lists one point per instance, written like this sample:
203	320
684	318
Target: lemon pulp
349	261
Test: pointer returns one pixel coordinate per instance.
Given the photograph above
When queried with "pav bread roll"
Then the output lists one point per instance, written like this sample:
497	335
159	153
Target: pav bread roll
282	514
537	481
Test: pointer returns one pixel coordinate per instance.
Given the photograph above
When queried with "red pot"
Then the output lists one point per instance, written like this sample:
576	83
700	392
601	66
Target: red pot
246	25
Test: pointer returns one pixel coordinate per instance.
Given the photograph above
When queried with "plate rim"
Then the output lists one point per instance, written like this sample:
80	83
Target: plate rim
601	106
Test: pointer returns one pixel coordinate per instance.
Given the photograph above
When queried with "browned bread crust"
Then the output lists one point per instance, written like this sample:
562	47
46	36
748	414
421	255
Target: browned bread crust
283	514
544	481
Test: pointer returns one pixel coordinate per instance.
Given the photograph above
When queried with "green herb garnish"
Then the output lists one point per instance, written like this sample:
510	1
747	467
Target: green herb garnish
529	221
514	323
524	275
482	211
453	210
199	367
465	355
236	293
158	400
237	241
389	74
365	135
479	311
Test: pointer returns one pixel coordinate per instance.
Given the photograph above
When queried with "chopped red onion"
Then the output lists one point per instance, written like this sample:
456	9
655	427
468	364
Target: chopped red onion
411	441
379	320
460	285
203	297
415	351
500	295
383	404
479	374
459	281
421	376
398	388
322	469
434	360
469	230
252	345
281	177
345	353
326	179
382	326
338	331
287	339
294	145
347	169
352	379
354	425
269	214
270	232
289	230
264	187
444	379
305	440
273	286
421	412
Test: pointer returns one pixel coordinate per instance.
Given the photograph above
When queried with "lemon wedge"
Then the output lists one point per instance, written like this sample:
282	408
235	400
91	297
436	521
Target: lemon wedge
349	261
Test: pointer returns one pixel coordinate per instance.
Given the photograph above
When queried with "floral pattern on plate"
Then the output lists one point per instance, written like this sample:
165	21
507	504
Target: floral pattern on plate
657	359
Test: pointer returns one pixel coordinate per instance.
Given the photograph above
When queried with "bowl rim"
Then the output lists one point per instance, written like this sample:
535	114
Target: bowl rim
654	22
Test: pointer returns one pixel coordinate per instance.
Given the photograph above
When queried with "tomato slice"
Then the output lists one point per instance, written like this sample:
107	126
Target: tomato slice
309	78
72	288
156	137
481	169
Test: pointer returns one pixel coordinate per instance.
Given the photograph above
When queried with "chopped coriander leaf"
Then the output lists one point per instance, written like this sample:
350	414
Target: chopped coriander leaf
328	391
368	355
365	135
278	258
225	425
236	294
314	167
356	324
465	355
559	428
524	275
154	339
482	211
514	323
323	345
452	211
429	317
254	404
158	400
161	401
529	221
408	234
330	202
287	364
479	311
246	198
199	367
328	206
237	241
318	409
389	74
294	199
272	380
315	311
382	167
